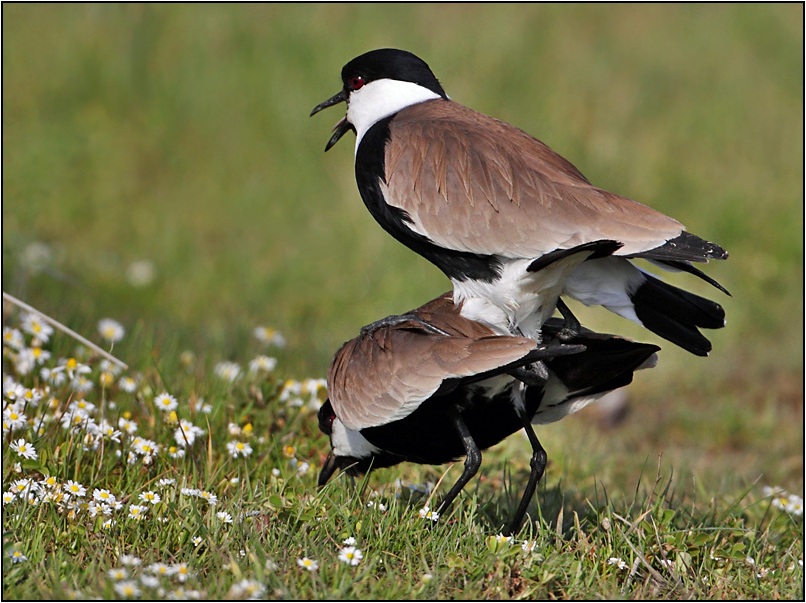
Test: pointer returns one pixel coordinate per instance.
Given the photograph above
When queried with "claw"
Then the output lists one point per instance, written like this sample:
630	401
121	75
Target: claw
535	374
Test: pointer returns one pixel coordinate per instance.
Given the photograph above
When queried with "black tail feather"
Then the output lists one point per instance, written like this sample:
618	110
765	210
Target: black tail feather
605	365
675	314
686	267
687	248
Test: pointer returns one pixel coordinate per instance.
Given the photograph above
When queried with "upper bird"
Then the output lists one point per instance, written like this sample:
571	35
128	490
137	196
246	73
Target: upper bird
507	219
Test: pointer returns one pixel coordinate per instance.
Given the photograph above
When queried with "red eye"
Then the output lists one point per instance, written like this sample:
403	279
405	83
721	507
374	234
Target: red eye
356	82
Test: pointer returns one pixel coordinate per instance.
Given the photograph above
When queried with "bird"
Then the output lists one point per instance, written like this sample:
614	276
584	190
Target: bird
430	386
510	222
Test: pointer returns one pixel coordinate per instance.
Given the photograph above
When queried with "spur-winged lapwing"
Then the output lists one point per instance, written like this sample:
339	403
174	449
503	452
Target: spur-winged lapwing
490	205
431	386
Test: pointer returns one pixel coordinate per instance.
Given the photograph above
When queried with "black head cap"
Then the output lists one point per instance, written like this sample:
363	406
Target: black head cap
394	64
326	415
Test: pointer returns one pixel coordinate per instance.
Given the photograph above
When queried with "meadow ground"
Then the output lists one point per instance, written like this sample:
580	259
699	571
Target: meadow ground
160	170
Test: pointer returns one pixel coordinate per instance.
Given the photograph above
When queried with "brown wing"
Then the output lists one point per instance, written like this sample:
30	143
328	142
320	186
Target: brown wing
384	376
473	183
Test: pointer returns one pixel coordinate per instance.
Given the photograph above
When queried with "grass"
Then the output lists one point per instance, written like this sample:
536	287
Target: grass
177	139
654	542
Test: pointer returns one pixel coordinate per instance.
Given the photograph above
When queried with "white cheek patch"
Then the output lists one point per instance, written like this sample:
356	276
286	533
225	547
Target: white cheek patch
380	99
347	442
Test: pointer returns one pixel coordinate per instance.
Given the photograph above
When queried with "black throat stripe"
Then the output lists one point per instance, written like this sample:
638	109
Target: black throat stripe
370	171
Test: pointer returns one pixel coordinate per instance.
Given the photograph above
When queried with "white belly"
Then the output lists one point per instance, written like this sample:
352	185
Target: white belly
518	302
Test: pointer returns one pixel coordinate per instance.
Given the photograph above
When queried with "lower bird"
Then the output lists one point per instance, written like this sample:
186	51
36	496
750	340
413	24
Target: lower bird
431	386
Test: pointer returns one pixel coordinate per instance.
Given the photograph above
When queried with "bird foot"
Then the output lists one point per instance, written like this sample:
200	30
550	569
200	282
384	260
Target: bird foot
399	319
571	326
567	333
534	374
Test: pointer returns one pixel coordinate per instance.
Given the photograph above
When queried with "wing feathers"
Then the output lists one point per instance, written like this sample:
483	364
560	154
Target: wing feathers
484	186
384	376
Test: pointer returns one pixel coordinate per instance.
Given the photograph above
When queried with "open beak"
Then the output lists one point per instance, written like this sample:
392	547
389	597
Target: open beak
341	97
343	126
328	469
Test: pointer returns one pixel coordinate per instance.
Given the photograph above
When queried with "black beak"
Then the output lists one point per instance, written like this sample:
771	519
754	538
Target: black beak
339	130
328	469
341	97
343	126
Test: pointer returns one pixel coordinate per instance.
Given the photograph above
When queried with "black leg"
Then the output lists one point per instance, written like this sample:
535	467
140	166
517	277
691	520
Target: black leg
472	462
571	326
538	465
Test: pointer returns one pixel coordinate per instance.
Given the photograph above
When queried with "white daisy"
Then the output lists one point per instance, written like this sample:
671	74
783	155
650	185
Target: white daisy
351	555
166	402
127	425
75	489
262	364
24	449
309	564
224	516
118	573
128	589
186	433
13	338
150	497
103	495
127	384
36	326
237	448
618	562
130	560
228	371
269	336
529	545
247	589
110	329
14	419
141	273
17	556
182	571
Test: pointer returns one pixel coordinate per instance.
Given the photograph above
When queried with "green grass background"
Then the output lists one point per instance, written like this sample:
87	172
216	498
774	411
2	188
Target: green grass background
180	134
